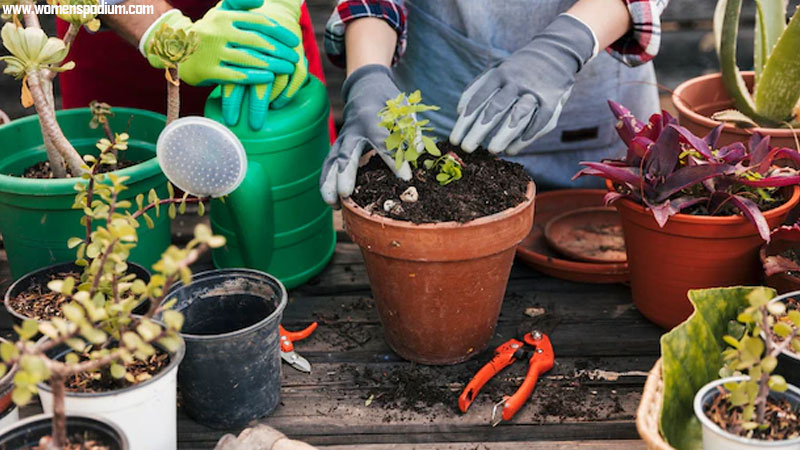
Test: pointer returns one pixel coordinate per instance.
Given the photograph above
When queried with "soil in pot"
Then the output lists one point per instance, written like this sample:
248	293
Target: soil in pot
784	420
78	442
40	303
487	186
42	170
102	381
83	433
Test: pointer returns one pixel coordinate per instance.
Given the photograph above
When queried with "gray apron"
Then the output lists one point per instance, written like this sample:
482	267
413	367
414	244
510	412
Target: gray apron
450	42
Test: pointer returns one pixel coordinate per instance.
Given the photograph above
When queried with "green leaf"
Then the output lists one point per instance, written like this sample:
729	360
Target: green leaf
74	242
393	141
430	146
8	351
21	396
117	371
72	312
201	208
28	329
777	383
148	221
779	85
172	211
692	356
173	319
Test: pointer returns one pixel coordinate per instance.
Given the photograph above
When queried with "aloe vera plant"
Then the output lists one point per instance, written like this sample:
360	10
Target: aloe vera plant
776	91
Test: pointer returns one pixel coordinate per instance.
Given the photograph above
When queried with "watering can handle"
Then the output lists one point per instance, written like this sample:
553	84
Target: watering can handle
250	207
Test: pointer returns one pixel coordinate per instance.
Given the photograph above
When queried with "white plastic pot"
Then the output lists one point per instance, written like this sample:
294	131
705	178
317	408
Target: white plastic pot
146	412
715	438
9	417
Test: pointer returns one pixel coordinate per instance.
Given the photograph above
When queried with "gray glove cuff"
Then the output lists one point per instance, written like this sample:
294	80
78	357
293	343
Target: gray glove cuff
575	36
370	71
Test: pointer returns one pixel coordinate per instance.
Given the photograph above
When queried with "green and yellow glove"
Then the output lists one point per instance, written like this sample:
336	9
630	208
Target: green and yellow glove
286	13
235	46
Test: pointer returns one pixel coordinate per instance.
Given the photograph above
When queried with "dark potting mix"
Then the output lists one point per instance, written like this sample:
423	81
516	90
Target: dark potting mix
39	302
42	170
101	380
488	185
783	418
78	442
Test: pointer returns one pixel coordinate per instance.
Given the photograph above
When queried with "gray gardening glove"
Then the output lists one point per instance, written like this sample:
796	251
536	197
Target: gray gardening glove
525	93
365	92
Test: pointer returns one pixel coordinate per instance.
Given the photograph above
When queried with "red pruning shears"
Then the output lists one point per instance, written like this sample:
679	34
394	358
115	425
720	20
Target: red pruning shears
287	347
537	348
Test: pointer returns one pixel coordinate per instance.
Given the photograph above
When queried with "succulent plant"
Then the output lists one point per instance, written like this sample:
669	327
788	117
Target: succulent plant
32	50
173	46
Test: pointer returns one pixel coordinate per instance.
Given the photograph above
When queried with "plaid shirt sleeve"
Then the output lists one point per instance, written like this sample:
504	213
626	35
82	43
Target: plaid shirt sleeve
642	42
392	11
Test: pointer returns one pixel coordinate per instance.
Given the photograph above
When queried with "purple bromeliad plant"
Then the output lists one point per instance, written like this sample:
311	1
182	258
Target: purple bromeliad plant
668	169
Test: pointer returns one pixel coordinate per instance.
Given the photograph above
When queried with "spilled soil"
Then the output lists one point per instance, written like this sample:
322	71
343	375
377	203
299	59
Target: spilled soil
488	185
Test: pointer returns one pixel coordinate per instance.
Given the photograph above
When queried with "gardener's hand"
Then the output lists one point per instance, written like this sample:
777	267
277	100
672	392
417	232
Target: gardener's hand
525	93
236	46
286	13
365	92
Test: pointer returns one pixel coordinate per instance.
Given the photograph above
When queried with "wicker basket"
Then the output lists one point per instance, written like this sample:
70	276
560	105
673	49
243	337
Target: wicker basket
649	410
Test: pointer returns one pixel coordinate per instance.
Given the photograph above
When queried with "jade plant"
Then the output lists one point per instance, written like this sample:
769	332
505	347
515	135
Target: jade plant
173	47
36	59
768	329
776	91
99	328
406	137
668	169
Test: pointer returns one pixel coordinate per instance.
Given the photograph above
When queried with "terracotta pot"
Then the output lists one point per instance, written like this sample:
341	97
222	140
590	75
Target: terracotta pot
781	282
698	98
439	287
690	252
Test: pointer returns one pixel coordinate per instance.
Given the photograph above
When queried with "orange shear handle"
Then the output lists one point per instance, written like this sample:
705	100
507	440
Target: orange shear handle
540	363
288	337
504	356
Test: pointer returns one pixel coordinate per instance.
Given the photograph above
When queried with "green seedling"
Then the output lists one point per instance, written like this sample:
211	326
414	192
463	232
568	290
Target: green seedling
449	168
406	137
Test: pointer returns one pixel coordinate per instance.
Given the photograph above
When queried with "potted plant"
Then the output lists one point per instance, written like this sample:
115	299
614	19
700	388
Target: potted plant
789	358
100	358
781	259
41	152
757	410
694	214
438	248
770	109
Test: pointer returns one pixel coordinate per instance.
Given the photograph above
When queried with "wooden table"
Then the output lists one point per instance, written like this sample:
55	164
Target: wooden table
361	395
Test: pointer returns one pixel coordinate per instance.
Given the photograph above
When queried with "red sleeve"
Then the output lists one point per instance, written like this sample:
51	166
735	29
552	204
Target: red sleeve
313	56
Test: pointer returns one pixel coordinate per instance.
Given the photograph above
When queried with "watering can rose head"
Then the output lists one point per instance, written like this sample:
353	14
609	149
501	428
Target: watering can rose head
668	169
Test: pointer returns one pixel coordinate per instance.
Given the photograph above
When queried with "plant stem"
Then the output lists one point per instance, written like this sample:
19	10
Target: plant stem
173	94
59	421
166	201
69	38
50	125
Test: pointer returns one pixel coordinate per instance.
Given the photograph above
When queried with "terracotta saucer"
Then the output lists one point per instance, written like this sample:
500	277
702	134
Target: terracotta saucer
591	234
534	250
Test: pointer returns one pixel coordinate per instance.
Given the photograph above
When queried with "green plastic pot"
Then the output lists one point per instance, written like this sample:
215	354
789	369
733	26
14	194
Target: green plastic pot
36	216
276	220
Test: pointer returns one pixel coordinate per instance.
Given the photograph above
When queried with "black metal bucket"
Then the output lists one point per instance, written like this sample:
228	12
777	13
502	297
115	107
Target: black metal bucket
232	370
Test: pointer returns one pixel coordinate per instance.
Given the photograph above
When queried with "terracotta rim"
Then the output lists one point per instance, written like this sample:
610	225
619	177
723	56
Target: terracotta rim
386	221
716	220
688	111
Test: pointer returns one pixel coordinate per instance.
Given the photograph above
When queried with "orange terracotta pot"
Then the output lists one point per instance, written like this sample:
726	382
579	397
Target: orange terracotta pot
439	287
698	98
690	252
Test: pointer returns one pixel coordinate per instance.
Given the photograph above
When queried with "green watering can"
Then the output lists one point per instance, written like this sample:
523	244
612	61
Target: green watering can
276	221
